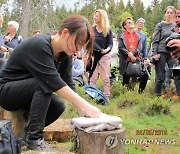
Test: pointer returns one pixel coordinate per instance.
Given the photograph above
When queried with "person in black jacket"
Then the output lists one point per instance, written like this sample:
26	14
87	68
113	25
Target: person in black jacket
129	47
38	68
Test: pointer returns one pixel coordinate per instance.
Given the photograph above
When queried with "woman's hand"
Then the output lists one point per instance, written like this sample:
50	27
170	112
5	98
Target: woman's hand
132	57
90	111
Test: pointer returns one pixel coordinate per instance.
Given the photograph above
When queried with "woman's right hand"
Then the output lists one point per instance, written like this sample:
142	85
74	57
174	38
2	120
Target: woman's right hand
90	111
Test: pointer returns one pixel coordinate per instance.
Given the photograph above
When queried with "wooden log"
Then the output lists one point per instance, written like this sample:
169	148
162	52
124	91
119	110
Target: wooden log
16	117
106	142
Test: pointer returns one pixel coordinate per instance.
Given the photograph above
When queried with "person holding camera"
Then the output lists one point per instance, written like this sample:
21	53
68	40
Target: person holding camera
161	55
175	43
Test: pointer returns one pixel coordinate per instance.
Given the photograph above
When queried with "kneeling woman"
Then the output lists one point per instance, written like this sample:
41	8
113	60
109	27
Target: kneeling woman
37	68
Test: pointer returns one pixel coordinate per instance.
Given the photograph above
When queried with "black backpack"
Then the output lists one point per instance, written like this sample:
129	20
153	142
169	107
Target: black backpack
8	143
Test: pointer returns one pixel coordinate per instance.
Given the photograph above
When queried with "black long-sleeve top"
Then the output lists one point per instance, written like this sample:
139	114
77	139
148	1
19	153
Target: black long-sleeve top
33	58
101	42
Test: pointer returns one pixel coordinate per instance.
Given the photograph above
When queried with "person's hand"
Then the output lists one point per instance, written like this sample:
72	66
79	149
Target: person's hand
146	62
133	58
175	43
91	111
175	54
156	57
4	49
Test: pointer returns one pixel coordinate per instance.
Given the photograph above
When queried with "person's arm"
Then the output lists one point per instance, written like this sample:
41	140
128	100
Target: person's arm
81	104
156	40
109	43
121	46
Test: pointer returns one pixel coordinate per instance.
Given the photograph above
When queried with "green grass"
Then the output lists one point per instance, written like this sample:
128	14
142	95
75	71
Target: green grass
140	112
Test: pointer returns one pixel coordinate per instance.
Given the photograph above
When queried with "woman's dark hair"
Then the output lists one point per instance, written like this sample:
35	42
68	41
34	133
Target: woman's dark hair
80	27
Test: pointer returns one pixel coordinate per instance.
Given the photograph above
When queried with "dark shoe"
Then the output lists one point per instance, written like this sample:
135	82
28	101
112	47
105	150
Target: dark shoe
39	145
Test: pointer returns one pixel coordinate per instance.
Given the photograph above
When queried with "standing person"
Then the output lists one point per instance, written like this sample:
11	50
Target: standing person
102	46
114	58
160	54
3	48
129	47
140	25
78	69
29	83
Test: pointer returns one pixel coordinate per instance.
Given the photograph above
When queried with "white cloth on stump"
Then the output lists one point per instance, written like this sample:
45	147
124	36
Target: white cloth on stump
104	122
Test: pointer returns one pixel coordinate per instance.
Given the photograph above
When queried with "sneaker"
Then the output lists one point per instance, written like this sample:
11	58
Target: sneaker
39	145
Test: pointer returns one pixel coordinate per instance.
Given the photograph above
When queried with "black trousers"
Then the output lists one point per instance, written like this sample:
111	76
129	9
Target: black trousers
26	95
142	82
160	72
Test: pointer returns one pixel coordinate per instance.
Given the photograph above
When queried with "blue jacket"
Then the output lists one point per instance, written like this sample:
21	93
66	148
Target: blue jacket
144	43
14	42
1	44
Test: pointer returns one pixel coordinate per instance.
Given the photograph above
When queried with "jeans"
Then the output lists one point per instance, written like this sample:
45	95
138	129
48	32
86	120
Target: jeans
26	95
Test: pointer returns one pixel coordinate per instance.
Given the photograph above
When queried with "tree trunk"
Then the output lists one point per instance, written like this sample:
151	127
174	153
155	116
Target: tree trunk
106	142
25	18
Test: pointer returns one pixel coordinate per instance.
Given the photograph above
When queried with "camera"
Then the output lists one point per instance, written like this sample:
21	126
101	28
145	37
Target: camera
175	72
171	37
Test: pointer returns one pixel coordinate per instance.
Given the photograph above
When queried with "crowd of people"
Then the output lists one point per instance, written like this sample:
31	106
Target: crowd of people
52	62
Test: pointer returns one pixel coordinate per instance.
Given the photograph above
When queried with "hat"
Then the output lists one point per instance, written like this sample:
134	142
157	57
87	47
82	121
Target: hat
141	19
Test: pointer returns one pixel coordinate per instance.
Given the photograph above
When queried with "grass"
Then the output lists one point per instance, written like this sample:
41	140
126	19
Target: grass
140	112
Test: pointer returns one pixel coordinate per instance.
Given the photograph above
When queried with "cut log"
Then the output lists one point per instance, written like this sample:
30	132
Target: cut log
106	142
16	117
59	131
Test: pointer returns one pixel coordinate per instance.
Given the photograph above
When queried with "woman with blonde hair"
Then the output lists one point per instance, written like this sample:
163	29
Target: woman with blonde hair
102	46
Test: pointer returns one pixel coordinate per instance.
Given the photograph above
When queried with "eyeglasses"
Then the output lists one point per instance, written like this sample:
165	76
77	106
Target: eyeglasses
129	22
177	16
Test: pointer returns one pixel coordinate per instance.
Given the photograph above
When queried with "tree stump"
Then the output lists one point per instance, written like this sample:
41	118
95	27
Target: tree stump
106	142
16	117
